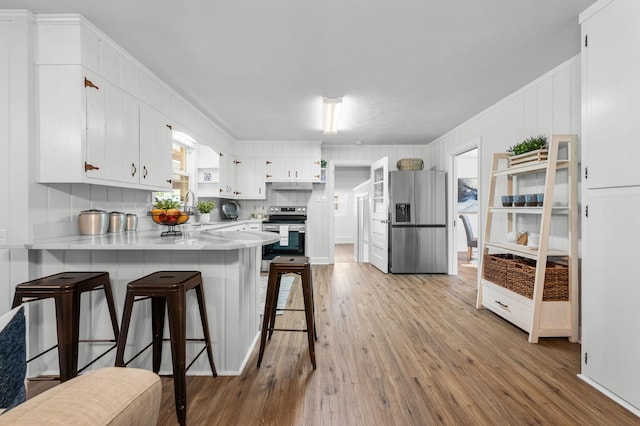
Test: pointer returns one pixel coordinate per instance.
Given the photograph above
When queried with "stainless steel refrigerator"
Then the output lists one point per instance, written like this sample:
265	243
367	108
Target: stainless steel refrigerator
418	229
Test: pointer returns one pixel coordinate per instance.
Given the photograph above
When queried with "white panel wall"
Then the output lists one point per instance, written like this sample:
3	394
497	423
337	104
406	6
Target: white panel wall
548	105
16	131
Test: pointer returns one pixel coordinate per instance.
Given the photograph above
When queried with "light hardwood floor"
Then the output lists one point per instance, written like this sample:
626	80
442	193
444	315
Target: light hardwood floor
400	350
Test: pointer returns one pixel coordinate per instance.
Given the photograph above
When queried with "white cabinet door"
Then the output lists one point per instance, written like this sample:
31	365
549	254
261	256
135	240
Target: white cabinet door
227	175
277	169
155	149
122	153
95	92
610	291
250	182
611	84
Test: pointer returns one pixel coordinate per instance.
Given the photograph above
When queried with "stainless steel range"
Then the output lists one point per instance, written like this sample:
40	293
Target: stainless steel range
290	223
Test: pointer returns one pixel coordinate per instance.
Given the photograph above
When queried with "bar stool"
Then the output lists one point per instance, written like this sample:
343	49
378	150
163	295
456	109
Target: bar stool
65	288
168	289
280	266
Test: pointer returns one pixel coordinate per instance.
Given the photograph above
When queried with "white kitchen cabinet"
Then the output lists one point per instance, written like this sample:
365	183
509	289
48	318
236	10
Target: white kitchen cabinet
611	199
611	66
208	164
289	169
90	132
610	343
91	129
112	132
250	179
155	148
227	175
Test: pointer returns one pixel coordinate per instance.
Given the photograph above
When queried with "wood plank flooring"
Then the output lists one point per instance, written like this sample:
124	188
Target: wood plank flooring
400	350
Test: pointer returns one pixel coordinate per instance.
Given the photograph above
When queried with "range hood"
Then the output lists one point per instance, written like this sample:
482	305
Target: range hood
291	186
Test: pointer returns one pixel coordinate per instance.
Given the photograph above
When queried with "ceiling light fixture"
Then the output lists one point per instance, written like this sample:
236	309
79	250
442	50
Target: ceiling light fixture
331	115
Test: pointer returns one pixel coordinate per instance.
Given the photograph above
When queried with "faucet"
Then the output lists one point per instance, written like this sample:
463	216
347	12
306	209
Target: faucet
193	202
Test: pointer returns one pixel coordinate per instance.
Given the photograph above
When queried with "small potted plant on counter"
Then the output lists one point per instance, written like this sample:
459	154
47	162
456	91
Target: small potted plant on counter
204	210
531	149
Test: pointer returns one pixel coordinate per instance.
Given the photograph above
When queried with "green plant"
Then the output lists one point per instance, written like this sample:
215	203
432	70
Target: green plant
167	204
528	145
206	206
323	163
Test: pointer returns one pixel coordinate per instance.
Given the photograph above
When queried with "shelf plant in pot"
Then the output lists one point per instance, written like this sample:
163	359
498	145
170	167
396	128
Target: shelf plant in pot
204	210
531	149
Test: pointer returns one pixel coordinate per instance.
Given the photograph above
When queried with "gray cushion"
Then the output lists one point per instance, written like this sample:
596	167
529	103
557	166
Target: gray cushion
13	358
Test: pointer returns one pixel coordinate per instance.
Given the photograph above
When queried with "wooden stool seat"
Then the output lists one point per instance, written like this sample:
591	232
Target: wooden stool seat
65	288
280	266
167	290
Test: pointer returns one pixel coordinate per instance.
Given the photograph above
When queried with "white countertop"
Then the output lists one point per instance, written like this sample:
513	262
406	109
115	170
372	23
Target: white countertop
193	238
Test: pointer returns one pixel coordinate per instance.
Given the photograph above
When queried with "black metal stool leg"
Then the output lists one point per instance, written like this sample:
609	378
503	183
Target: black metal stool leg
158	306
124	329
205	326
177	326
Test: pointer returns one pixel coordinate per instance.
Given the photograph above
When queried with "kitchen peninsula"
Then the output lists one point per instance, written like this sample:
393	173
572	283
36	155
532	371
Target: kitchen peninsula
230	264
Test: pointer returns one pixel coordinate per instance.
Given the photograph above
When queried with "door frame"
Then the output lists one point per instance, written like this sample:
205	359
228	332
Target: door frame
452	200
331	167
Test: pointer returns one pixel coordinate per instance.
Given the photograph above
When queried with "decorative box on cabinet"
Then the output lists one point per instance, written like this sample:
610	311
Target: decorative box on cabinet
539	317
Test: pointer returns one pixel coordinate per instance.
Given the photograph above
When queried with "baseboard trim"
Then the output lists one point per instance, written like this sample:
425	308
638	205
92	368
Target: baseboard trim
611	395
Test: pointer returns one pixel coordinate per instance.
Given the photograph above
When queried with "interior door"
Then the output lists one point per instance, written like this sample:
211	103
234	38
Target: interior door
379	252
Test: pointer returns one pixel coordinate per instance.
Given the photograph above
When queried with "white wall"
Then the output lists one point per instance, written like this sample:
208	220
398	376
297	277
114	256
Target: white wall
549	105
347	178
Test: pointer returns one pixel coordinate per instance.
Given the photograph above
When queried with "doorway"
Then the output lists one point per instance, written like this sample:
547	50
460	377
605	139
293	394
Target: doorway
345	211
465	174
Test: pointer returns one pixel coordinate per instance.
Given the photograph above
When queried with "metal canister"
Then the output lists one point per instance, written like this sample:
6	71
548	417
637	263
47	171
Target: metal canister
93	222
117	222
132	222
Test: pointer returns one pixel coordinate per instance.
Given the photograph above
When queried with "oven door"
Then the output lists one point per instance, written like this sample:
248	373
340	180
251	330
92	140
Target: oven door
293	245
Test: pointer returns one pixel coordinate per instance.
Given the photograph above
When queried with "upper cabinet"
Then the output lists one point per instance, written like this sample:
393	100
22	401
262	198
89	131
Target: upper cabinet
299	162
611	87
250	182
155	143
103	118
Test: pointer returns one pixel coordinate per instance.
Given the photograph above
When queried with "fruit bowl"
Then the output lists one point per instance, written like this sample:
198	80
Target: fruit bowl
170	218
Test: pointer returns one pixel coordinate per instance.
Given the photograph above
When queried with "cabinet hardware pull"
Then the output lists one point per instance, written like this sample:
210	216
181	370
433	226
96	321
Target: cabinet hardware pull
289	173
88	167
170	126
316	176
144	172
221	155
269	162
169	180
220	190
237	162
296	173
133	169
316	162
269	176
237	193
502	304
260	190
88	83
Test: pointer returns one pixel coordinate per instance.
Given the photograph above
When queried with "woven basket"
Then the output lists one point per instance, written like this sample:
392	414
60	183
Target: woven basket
495	268
410	164
521	275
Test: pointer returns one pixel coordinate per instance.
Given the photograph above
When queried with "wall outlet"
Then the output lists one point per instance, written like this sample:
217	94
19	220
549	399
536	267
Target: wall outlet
3	236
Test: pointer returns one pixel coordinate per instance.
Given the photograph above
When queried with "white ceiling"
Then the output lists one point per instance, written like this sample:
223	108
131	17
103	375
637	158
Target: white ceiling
409	70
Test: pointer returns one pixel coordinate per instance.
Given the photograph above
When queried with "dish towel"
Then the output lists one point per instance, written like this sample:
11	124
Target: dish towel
284	235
